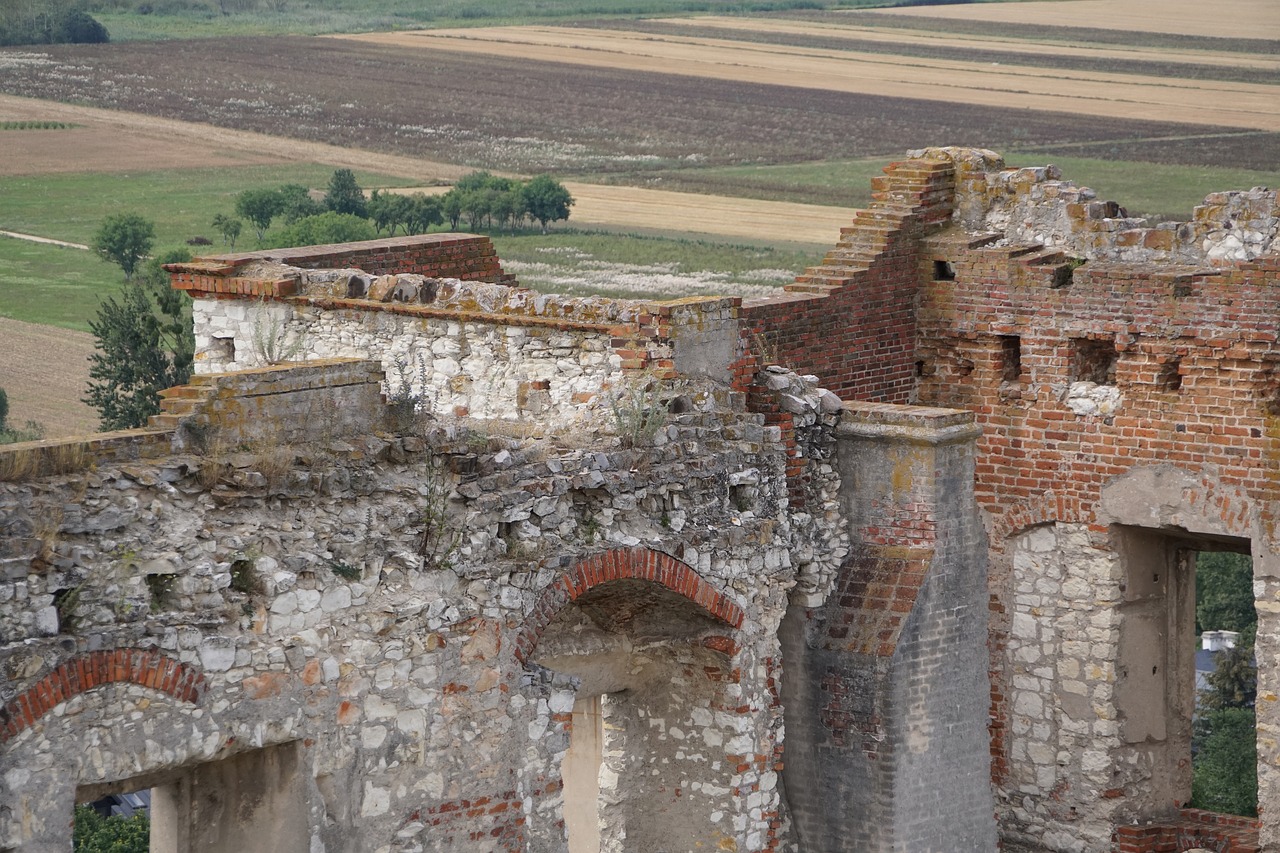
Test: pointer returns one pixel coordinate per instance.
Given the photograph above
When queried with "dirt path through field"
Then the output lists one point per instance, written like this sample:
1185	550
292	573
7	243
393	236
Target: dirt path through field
1256	19
44	370
882	35
1211	102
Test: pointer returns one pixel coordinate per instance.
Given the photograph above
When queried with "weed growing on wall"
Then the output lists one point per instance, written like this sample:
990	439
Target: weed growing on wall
410	405
438	539
639	409
272	340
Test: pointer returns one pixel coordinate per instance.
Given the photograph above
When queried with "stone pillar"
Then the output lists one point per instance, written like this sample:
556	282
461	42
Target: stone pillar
885	685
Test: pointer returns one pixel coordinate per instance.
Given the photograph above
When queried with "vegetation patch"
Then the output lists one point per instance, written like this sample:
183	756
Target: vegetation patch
36	125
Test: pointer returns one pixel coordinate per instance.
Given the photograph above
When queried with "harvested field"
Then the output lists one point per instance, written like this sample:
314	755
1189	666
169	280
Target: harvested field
46	370
557	119
1255	19
1083	91
1161	62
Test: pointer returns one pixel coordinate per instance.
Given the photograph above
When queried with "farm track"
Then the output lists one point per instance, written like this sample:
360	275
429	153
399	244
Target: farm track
1087	92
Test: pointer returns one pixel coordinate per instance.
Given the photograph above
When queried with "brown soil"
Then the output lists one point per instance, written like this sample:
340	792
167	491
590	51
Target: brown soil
1210	102
46	372
1255	19
112	141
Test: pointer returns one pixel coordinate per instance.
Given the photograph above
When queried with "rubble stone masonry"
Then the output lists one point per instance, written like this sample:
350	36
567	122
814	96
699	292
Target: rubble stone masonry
897	559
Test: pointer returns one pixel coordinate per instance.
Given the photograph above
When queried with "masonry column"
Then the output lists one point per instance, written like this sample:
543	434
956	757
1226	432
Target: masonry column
885	685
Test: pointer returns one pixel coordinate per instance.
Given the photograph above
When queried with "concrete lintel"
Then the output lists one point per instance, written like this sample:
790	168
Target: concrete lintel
933	435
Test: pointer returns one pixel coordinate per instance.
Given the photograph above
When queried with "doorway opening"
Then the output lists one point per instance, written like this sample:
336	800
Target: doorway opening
1224	775
1188	609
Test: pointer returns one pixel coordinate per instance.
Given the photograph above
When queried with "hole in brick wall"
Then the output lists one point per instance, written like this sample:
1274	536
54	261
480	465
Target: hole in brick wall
964	366
222	349
944	271
1010	358
920	368
1269	389
1093	361
1170	376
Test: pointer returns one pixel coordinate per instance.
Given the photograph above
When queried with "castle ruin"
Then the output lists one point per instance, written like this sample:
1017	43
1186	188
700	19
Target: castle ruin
896	559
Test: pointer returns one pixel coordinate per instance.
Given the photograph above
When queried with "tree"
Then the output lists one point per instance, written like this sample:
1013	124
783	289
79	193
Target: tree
115	834
144	344
1224	594
124	239
328	227
547	200
259	206
1224	776
229	227
451	207
345	195
296	203
425	212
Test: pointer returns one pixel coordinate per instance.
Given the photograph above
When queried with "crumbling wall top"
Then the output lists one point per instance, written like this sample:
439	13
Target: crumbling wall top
1036	205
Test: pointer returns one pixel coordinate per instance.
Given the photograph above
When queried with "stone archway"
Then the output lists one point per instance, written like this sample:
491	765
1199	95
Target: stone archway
647	640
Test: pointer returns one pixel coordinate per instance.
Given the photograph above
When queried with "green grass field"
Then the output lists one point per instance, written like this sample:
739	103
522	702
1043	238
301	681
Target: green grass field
181	19
1144	189
53	285
181	202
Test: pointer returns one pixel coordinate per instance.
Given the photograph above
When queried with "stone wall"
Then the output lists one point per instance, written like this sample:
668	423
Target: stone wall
364	603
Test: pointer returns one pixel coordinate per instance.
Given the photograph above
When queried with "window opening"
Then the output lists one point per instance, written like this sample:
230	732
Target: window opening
1093	361
944	271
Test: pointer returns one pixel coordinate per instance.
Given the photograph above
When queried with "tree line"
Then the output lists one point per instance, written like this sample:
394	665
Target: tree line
49	22
345	215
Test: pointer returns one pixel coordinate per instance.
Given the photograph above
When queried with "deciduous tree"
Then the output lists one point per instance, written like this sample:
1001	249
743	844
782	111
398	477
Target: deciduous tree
124	239
259	206
547	200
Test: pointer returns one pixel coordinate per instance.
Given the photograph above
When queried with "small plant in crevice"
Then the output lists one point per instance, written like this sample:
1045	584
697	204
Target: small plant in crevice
408	402
589	528
438	540
271	338
245	578
639	410
764	346
346	571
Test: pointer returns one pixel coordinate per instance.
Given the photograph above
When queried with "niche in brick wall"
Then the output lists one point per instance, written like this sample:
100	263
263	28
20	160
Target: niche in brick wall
1093	361
944	271
1169	378
1010	358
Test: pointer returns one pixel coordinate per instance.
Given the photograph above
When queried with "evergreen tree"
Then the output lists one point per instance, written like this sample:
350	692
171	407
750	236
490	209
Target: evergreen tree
345	195
144	345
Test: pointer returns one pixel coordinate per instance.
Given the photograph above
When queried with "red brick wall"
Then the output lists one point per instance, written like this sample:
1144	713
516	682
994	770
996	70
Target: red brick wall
1197	365
469	257
851	320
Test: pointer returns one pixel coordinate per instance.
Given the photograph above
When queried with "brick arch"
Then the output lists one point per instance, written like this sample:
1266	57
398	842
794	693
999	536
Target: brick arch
1042	509
144	667
623	564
